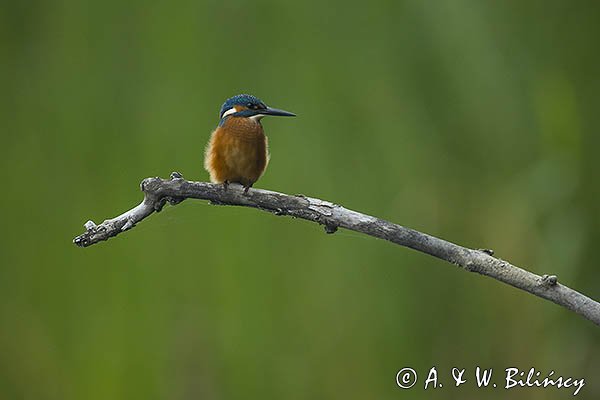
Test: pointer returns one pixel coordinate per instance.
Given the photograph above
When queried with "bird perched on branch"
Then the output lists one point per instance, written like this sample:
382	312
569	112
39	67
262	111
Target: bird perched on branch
238	150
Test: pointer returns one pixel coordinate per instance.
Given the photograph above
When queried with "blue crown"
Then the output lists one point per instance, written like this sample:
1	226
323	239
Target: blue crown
246	100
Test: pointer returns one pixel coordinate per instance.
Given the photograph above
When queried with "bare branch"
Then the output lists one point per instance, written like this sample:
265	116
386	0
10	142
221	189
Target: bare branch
159	191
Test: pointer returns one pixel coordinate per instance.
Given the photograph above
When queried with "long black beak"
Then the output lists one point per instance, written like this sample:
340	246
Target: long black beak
276	112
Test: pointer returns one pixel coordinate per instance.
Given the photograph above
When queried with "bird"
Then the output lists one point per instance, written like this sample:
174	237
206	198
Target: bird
238	149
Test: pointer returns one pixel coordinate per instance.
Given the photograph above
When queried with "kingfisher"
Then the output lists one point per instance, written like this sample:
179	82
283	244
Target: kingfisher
238	149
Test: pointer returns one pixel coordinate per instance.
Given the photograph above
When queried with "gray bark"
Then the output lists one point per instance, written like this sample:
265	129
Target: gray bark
333	216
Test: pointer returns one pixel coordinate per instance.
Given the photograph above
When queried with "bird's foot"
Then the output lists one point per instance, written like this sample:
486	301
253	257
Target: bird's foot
225	185
246	188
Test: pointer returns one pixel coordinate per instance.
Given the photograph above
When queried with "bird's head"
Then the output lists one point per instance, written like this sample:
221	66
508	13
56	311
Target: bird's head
248	106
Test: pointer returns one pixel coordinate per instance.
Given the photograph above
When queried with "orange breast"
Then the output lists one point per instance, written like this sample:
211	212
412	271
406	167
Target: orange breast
237	152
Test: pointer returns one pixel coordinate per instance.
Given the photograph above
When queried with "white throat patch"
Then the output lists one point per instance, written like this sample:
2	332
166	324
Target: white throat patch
257	117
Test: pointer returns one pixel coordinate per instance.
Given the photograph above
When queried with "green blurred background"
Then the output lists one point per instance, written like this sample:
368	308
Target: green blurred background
473	121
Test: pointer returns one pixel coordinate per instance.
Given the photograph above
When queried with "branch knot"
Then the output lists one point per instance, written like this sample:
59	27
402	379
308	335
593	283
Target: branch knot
549	280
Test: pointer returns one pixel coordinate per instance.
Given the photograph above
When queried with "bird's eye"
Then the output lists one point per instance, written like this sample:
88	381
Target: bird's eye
249	105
